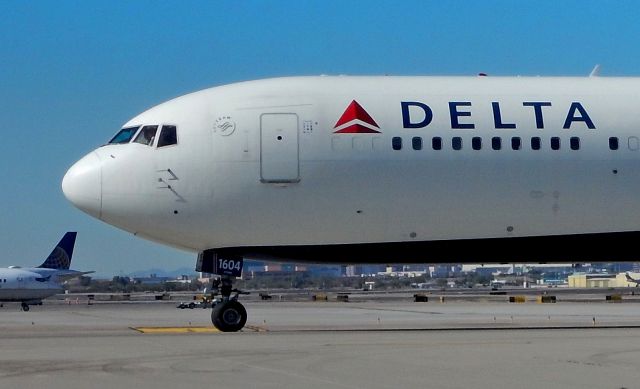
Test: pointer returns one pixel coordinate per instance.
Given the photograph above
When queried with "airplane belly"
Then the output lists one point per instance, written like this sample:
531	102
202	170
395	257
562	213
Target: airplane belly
27	294
338	202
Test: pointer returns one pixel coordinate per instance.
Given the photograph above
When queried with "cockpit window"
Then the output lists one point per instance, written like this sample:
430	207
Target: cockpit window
146	135
124	136
168	136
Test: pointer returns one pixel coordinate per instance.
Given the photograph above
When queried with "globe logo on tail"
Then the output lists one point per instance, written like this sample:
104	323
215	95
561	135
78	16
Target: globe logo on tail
58	259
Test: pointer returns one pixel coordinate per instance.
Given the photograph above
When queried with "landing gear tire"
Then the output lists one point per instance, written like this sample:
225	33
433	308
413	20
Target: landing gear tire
25	307
229	316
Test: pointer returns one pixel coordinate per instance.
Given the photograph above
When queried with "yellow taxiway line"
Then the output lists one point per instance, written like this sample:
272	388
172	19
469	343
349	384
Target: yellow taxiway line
187	330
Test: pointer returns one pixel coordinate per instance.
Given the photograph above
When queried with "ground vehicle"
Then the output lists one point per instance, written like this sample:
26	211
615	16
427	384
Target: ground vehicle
194	304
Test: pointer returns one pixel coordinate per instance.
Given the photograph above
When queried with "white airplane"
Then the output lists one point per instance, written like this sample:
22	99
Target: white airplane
632	280
377	170
30	285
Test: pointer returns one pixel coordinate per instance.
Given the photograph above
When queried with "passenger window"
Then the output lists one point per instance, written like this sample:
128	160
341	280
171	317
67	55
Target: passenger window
555	143
516	143
456	143
416	142
535	143
436	143
168	136
146	135
124	135
574	143
476	143
496	143
396	143
613	143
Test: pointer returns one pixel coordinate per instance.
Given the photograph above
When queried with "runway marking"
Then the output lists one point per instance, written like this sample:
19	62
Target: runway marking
253	328
256	328
175	330
189	330
462	329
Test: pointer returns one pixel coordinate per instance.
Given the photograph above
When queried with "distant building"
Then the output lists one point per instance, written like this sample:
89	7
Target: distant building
353	271
552	282
183	279
439	271
493	269
583	280
253	268
393	269
326	270
363	270
273	267
415	268
151	280
444	271
204	278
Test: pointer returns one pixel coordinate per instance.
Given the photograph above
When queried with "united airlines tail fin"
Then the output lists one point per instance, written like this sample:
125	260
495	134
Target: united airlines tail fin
60	257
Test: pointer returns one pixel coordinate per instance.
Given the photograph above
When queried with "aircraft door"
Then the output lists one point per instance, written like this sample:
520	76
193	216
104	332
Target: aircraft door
279	154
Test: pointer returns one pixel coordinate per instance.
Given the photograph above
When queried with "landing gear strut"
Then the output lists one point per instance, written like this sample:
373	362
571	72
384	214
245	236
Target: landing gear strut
25	307
228	314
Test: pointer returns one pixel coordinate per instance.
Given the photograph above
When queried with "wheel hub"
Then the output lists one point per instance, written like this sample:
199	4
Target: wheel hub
231	316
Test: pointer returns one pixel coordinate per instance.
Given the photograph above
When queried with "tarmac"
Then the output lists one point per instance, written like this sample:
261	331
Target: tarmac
385	344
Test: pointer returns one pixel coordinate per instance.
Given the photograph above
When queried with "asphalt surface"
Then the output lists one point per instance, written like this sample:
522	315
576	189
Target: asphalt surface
325	345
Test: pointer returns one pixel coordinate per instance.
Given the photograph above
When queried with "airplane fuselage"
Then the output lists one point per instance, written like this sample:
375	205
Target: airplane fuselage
364	162
28	284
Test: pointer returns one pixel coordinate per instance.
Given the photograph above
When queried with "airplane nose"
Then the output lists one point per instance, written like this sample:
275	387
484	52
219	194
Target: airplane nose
82	185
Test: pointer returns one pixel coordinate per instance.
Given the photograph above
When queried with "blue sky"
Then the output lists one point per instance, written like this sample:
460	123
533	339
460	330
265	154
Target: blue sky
72	72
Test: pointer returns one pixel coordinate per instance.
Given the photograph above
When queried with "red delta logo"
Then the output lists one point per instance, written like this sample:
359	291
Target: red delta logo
355	120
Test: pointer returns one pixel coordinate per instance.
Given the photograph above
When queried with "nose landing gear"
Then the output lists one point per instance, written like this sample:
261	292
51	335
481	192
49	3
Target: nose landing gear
228	314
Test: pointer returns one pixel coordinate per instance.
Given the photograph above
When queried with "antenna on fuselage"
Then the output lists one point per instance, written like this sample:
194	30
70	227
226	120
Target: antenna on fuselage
595	72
